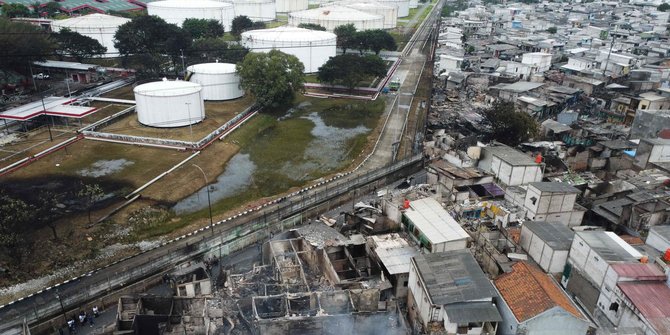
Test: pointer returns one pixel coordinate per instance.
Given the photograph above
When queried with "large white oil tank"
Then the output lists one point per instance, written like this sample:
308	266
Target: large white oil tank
256	10
402	5
100	27
287	6
390	13
219	80
167	104
413	3
312	47
176	11
334	16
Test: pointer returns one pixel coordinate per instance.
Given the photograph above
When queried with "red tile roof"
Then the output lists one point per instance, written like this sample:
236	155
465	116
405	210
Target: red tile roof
529	292
653	302
639	271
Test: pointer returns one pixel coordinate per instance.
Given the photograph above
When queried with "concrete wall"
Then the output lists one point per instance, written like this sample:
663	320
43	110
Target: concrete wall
423	308
514	175
657	241
550	260
587	261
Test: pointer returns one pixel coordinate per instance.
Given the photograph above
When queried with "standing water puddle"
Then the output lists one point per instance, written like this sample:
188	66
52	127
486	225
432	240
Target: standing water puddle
235	178
104	167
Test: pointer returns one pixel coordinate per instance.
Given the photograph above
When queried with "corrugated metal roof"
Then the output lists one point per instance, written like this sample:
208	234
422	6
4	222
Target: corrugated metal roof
605	245
394	252
557	235
639	271
472	312
554	187
434	222
453	276
653	301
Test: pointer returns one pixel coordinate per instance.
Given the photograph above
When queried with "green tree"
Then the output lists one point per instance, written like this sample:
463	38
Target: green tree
78	46
22	43
375	40
350	70
11	10
90	194
46	210
16	216
206	50
312	26
258	25
346	36
240	24
50	9
664	7
272	77
509	126
203	28
145	41
552	30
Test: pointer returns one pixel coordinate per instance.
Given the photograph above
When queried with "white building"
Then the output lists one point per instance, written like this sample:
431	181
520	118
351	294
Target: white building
448	291
547	243
431	226
510	166
449	63
652	150
553	201
395	255
659	238
533	303
539	62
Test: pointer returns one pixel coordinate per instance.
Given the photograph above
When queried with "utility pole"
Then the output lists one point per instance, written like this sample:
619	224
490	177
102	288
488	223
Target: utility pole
209	201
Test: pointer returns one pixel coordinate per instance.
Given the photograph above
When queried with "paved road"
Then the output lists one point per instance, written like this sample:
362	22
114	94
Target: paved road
398	104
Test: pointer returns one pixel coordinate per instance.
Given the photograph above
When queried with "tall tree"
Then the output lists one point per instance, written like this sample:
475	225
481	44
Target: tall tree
258	25
203	28
206	50
146	40
21	43
46	210
312	26
509	126
16	216
90	194
346	36
74	44
272	77
12	10
240	24
375	40
350	70
664	7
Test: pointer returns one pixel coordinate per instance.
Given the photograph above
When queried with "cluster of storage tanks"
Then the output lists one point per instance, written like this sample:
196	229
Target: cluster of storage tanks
168	104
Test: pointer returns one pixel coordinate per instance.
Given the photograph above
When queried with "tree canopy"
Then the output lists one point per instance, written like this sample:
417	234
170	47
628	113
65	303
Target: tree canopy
552	30
207	50
312	26
240	24
509	126
21	43
11	10
346	36
78	46
203	28
272	77
146	40
664	7
375	39
349	70
16	216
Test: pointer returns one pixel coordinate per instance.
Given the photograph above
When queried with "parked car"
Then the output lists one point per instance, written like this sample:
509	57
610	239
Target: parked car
41	76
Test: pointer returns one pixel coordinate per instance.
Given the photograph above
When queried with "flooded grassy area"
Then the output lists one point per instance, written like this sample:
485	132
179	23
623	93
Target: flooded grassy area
281	151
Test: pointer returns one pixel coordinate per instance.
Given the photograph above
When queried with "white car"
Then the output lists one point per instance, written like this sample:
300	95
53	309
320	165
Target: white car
41	76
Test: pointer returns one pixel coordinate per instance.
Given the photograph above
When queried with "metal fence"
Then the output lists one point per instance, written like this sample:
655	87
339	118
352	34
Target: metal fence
247	228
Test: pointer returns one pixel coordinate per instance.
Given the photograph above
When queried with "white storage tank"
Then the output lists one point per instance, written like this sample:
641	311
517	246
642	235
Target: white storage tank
390	13
413	3
334	16
287	6
312	47
176	11
256	10
402	5
100	27
167	104
219	80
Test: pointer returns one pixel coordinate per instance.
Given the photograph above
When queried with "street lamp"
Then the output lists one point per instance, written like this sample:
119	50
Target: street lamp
62	308
190	124
209	201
